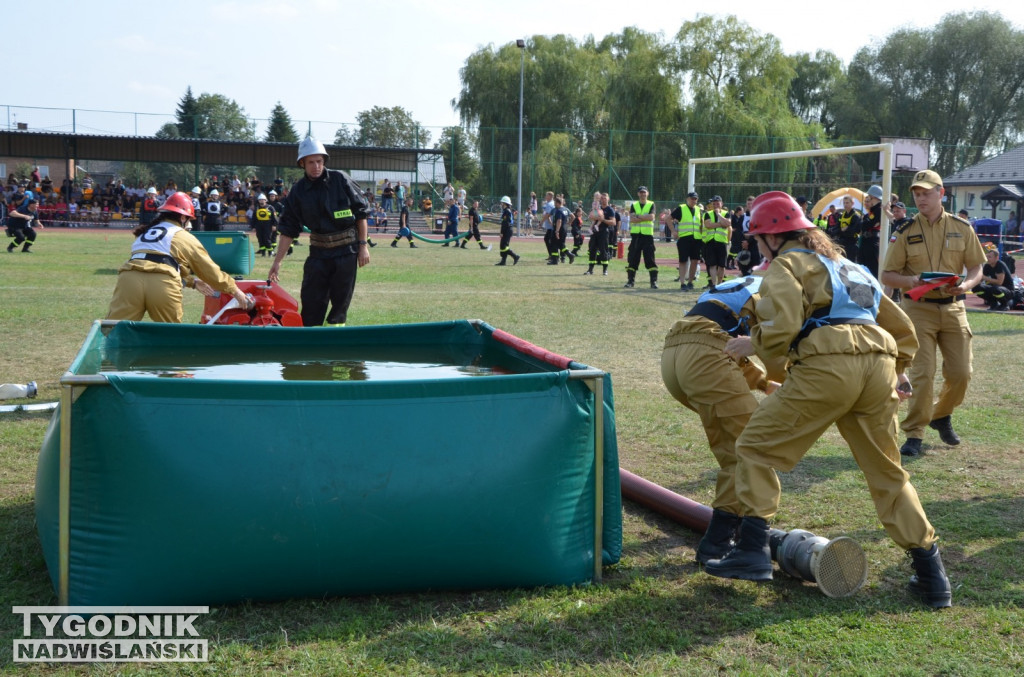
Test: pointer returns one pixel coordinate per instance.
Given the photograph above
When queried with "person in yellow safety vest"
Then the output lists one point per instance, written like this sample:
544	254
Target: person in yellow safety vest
641	234
688	220
717	227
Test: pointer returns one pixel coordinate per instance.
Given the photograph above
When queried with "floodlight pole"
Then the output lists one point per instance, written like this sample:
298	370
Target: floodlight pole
521	44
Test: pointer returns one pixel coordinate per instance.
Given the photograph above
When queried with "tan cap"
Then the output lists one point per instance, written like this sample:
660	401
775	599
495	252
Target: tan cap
926	178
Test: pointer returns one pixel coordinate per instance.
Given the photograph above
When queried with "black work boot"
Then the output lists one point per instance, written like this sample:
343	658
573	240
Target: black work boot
930	581
718	539
912	447
945	428
750	559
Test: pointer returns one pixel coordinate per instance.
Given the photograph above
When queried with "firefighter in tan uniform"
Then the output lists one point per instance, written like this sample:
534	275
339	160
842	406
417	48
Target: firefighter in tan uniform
165	258
848	345
935	241
703	378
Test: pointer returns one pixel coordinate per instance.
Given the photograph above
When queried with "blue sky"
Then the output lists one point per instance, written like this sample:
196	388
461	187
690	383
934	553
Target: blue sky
327	60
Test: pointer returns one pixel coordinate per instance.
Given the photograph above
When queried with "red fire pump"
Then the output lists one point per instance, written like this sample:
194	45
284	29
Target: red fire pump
272	306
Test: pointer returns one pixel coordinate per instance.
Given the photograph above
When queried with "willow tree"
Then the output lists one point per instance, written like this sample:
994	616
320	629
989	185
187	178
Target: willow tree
815	78
643	109
739	81
564	85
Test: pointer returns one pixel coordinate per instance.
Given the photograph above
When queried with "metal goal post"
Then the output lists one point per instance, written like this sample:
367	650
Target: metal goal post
886	149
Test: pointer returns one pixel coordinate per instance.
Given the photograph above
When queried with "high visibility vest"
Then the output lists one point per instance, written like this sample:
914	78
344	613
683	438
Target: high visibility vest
717	234
821	222
844	222
690	223
642	227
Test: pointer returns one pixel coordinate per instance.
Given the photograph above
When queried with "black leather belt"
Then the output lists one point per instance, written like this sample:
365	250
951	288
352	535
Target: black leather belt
944	301
158	258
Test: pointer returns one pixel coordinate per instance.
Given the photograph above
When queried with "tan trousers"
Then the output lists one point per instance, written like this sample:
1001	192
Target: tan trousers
138	293
946	328
857	393
705	380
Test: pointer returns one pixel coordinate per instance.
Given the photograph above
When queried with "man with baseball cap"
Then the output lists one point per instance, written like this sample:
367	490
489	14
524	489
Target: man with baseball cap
687	219
717	225
641	238
935	241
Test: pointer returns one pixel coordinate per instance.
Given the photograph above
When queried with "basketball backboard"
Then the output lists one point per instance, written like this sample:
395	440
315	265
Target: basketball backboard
908	154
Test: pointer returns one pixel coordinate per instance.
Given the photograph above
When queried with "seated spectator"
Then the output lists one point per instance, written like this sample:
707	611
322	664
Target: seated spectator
996	287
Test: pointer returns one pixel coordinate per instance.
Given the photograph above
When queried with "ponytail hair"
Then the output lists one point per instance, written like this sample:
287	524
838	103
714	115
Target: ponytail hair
815	240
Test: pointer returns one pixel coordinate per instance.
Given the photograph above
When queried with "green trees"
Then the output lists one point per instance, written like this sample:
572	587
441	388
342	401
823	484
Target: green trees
385	127
960	83
458	147
211	116
280	127
612	114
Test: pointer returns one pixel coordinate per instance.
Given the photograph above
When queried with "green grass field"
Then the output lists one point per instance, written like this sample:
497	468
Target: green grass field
655	613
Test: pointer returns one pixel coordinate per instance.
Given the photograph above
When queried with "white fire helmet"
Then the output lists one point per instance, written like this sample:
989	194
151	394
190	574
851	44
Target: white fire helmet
506	200
310	146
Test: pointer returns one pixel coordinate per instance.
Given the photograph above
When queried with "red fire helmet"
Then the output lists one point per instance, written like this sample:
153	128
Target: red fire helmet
776	212
179	203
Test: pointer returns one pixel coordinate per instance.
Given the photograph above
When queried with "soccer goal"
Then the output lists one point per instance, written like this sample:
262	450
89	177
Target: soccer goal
886	164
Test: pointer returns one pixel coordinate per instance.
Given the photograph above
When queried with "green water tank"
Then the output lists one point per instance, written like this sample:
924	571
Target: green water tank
231	250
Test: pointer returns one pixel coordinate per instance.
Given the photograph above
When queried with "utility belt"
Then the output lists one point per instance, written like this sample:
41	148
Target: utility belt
157	258
716	313
821	314
333	240
943	301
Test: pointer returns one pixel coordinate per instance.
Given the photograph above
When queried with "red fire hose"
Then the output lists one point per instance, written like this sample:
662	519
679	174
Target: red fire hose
659	499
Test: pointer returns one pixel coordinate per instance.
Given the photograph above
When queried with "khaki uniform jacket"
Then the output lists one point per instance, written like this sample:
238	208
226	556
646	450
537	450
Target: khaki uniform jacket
949	245
194	260
795	285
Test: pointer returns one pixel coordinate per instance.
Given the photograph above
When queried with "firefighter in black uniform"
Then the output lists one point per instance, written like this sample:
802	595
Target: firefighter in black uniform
604	222
474	226
213	212
331	205
264	222
560	223
19	225
846	229
641	238
870	228
577	231
506	232
150	205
